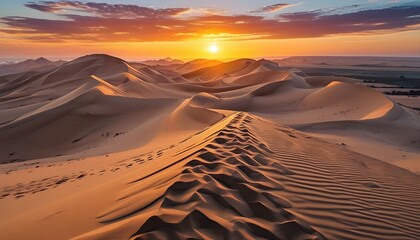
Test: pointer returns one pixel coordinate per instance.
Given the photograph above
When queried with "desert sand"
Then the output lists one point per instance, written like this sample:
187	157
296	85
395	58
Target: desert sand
101	148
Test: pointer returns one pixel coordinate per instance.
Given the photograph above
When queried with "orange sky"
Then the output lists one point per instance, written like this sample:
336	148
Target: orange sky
400	44
135	32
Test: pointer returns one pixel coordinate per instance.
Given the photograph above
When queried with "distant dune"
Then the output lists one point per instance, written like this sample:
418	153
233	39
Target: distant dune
101	148
37	65
402	62
163	62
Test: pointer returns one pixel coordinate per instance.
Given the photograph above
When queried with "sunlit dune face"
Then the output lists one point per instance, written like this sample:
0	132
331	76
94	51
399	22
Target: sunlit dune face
213	48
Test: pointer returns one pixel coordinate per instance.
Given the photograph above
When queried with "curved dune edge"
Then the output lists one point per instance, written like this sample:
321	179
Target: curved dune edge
356	101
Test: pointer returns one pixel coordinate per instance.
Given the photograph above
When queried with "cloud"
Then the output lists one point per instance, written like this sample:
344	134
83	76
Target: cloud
42	7
274	8
104	23
105	9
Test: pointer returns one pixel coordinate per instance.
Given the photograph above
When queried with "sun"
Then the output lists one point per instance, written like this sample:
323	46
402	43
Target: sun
213	48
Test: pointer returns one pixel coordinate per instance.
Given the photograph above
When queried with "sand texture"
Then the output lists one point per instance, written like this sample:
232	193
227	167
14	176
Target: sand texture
101	148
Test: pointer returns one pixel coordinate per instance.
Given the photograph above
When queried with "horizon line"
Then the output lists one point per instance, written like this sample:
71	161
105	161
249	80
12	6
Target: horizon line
277	57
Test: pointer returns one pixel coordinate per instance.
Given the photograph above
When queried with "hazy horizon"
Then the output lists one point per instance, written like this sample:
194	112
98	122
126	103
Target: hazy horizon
15	60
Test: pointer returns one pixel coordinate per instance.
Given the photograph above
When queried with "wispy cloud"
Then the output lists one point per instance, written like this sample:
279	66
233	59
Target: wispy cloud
274	7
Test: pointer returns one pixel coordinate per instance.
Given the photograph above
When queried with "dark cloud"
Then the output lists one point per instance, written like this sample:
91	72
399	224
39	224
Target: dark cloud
165	25
273	8
106	10
42	7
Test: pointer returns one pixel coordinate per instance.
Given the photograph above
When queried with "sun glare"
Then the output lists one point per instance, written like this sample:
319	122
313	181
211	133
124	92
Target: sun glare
213	48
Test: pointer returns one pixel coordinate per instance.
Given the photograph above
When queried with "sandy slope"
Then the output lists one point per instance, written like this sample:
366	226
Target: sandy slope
207	150
31	65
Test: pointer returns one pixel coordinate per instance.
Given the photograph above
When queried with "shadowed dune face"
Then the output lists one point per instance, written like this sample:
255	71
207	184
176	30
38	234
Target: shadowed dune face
203	150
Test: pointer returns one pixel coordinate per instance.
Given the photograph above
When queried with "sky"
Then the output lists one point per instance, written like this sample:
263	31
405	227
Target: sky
219	29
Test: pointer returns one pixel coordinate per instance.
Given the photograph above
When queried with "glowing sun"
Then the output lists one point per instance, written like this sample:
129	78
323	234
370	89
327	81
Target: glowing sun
213	48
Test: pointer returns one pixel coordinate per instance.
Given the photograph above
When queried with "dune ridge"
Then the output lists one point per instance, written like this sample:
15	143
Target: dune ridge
261	188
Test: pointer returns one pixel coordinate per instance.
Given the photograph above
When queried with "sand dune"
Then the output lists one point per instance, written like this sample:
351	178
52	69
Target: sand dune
245	149
195	65
33	65
357	107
